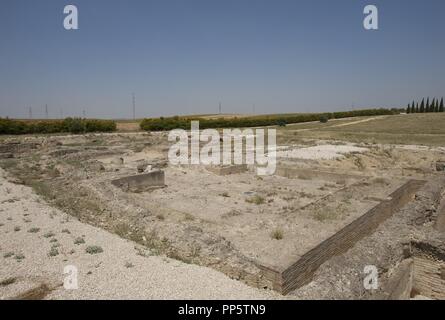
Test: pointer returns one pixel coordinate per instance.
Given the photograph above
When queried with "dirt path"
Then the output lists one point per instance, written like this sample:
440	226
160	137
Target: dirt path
355	122
335	125
37	242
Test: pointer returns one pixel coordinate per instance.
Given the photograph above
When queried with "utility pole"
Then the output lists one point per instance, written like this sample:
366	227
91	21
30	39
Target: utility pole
134	107
61	113
253	108
84	114
30	112
220	108
46	111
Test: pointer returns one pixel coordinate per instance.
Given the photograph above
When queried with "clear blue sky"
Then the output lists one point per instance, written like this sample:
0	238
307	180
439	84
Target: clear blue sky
186	56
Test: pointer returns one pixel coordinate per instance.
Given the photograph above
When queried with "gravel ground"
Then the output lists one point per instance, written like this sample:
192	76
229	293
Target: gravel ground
37	242
321	152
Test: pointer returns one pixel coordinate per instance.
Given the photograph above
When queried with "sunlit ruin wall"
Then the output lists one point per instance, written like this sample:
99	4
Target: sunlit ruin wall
302	271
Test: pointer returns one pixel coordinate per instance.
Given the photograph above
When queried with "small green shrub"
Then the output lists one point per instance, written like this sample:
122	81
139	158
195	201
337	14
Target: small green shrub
49	234
324	119
94	250
53	252
19	257
277	234
8	255
256	199
79	240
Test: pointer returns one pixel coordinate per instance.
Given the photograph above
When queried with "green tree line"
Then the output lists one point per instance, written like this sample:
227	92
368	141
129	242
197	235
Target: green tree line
169	123
426	106
68	125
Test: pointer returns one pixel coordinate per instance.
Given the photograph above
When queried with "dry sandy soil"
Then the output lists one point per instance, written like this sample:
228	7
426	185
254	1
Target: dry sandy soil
201	222
38	242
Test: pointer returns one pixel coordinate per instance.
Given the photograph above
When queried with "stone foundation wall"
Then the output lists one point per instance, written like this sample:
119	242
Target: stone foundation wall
141	182
302	271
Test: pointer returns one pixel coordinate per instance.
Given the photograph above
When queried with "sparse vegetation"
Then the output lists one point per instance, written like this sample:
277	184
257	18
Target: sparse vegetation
256	199
34	230
8	254
94	250
53	252
49	234
19	257
79	240
7	282
277	234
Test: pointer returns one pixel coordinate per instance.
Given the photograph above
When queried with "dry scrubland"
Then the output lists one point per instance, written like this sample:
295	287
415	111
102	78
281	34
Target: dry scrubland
265	232
415	129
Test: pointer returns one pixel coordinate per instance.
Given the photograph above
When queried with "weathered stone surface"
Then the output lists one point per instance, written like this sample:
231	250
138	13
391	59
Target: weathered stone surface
141	182
16	147
440	222
6	155
400	284
117	161
226	170
440	165
64	152
141	167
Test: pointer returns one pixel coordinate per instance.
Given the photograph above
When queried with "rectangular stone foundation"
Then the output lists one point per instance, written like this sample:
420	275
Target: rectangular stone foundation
309	174
301	272
226	170
141	182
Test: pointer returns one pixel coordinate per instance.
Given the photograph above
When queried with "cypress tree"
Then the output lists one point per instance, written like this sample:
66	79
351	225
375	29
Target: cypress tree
408	109
422	106
417	108
413	108
432	105
441	105
436	106
427	105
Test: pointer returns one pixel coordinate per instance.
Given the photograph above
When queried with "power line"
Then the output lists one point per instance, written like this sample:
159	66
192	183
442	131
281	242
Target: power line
134	107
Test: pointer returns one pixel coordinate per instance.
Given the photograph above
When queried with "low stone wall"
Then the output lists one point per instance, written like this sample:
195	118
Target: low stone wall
400	285
6	156
13	147
226	170
309	174
440	220
141	182
301	272
429	269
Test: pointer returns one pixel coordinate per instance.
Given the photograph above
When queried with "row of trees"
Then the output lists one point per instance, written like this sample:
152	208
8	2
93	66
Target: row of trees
162	124
68	125
434	106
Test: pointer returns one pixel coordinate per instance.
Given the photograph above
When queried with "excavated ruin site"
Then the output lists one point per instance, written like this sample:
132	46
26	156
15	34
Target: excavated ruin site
307	232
